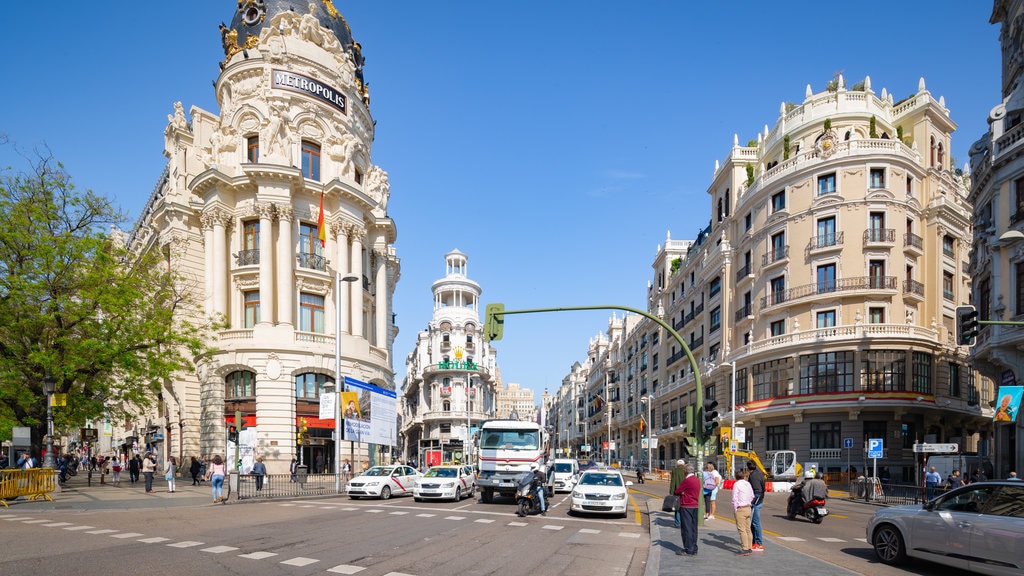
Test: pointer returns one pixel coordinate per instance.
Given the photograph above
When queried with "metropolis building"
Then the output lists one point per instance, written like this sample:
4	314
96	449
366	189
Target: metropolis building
825	286
236	212
451	374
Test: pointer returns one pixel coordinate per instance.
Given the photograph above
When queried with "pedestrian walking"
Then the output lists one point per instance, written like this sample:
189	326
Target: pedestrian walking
742	507
148	469
346	470
689	493
134	466
640	474
678	475
215	474
712	481
194	468
293	470
757	484
954	480
259	470
115	467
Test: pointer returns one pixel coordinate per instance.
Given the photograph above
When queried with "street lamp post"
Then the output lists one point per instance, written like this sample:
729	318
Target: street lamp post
339	380
648	400
49	386
607	400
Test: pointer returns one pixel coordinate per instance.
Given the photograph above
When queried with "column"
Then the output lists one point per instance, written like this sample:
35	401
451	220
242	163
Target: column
220	267
342	266
266	213
285	265
380	301
207	221
356	291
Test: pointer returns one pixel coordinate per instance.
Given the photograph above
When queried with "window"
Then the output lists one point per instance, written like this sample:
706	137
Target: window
954	380
445	428
777	328
240	384
715	287
778	201
778	286
876	274
876	315
825	319
777	437
249	255
921	379
310	386
357	175
1018	273
874	429
876	227
827	184
310	160
252	149
311	313
947	246
311	251
716	320
947	285
883	370
826	232
252	308
741	387
877	178
826	372
747	222
825	435
826	278
772	379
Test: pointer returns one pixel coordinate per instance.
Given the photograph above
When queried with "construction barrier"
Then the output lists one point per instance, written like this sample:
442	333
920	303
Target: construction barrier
33	484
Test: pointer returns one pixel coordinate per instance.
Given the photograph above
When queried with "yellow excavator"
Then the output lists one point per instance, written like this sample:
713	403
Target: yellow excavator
782	464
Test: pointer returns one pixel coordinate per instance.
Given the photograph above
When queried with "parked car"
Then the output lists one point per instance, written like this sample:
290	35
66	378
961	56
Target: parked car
445	482
383	482
601	491
979	527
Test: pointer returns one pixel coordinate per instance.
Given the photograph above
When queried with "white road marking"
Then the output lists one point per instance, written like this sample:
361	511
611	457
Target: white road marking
154	540
101	531
219	549
553	527
589	531
185	544
79	527
56	524
258	555
345	569
300	561
127	535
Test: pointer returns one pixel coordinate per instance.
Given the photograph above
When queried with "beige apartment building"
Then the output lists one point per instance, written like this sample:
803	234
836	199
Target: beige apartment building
826	284
238	213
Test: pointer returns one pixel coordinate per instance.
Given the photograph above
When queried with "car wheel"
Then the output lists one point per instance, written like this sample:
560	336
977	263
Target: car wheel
487	496
888	545
385	493
354	497
417	499
458	494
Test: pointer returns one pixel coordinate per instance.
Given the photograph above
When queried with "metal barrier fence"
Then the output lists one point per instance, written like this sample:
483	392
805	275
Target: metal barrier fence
272	486
34	484
873	490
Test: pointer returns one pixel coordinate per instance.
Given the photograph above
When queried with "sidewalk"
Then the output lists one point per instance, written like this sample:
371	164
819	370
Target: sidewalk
77	494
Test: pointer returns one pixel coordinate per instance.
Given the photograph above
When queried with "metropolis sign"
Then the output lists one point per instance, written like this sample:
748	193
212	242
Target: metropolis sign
314	88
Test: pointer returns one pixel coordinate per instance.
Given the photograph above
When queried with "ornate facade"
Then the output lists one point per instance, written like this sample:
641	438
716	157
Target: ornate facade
261	208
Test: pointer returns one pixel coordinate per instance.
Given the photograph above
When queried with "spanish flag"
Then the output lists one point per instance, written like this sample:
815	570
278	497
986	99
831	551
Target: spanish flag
598	402
642	424
321	229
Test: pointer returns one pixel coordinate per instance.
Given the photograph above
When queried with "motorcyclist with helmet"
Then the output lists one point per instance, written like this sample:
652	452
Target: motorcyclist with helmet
539	480
813	488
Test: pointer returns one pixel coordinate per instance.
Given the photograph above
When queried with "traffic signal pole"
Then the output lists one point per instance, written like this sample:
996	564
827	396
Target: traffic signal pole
494	326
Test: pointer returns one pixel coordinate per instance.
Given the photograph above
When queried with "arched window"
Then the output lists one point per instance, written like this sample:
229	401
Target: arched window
447	406
940	155
240	384
310	386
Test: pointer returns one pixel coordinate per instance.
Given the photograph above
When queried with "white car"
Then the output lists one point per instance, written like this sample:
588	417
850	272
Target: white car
445	482
383	482
602	491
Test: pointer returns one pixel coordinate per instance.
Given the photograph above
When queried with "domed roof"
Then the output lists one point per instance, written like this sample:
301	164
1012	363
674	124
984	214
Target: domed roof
252	16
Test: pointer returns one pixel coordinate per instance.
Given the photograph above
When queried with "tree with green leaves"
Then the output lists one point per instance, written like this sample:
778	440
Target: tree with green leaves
108	325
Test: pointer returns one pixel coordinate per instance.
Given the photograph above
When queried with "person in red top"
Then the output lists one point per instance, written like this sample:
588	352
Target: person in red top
688	491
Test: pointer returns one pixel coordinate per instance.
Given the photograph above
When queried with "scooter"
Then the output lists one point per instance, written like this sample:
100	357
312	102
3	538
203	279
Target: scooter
814	510
527	501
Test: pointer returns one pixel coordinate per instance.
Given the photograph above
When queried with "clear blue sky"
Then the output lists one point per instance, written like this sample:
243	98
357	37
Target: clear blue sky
554	142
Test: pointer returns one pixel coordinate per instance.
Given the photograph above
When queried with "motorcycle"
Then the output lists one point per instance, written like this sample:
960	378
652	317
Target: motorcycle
814	510
527	501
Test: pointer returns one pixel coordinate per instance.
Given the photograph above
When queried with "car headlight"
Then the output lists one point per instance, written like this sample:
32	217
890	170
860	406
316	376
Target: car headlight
619	496
373	483
449	484
577	495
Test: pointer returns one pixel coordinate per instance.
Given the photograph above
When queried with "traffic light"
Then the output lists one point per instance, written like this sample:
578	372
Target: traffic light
967	326
233	433
303	436
494	321
709	417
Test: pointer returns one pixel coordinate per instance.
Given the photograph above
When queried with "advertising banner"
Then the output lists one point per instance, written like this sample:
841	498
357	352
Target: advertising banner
1008	402
369	413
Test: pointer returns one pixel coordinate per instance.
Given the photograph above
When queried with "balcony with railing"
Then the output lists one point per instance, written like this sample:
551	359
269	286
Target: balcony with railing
913	243
312	261
747	311
913	288
823	242
743	273
855	284
775	255
247	257
880	236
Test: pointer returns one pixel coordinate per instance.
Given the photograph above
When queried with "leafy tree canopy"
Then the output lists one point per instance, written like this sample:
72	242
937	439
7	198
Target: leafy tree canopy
109	325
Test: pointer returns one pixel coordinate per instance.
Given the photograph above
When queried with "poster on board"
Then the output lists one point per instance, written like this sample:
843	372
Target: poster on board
372	410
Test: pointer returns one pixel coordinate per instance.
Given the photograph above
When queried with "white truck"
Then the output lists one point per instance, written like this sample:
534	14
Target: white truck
506	450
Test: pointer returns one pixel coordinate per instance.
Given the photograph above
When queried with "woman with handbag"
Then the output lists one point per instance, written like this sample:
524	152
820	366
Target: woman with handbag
169	470
215	473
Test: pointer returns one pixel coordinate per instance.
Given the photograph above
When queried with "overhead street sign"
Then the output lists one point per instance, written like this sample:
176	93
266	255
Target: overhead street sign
936	448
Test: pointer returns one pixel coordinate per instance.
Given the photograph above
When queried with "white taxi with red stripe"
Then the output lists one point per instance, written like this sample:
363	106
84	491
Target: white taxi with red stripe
383	482
445	483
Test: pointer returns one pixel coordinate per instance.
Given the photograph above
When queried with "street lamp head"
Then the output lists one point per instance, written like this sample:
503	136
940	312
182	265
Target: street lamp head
49	384
1011	236
350	277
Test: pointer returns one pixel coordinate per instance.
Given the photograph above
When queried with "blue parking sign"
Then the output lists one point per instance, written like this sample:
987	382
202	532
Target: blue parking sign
875	448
